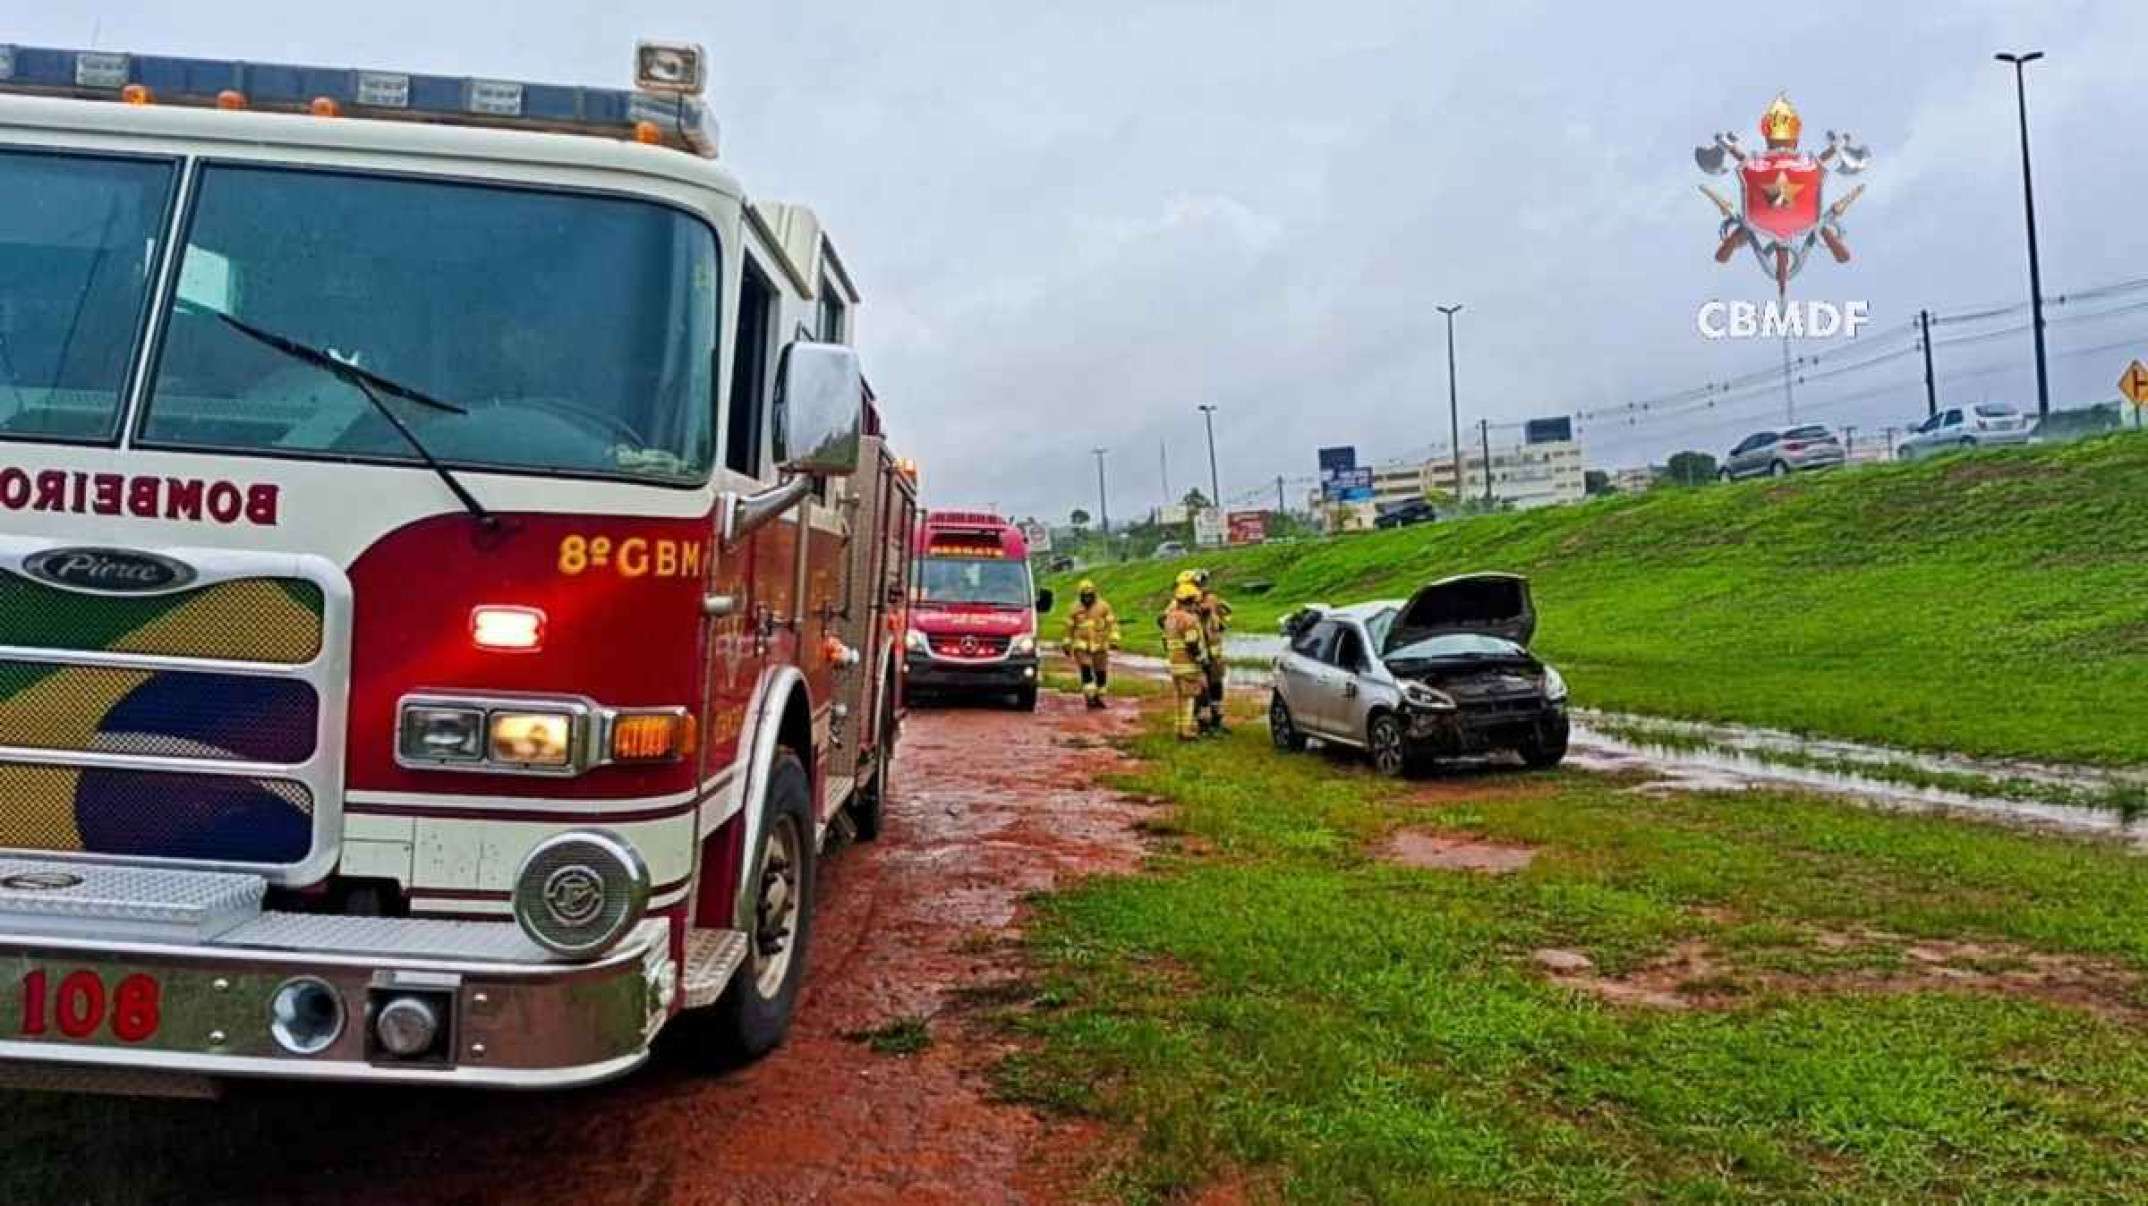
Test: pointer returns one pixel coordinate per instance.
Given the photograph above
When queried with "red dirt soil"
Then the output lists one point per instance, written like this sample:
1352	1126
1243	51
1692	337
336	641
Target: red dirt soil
988	807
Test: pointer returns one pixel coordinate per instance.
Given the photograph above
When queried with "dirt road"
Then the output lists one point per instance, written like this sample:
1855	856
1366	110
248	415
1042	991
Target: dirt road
989	806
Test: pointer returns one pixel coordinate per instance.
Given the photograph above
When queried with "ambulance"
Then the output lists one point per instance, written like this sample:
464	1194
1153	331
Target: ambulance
452	576
973	619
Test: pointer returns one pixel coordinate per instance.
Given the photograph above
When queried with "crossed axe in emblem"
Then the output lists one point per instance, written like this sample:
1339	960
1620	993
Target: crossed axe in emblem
1844	156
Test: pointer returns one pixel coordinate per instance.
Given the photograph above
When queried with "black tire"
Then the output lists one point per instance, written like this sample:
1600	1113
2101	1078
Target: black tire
1548	747
868	808
1025	699
1282	729
752	1017
1387	747
1723	475
1779	469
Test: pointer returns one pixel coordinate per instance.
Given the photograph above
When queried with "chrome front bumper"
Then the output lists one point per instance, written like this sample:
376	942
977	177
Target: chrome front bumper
515	1019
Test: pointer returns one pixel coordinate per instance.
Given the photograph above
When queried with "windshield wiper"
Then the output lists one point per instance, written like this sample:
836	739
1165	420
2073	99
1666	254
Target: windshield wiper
367	382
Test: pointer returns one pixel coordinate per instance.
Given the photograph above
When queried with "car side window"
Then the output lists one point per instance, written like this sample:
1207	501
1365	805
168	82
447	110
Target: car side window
1314	641
1952	418
1349	650
1745	445
1764	439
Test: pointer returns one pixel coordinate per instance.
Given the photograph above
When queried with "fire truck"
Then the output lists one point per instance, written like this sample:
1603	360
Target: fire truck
973	625
452	574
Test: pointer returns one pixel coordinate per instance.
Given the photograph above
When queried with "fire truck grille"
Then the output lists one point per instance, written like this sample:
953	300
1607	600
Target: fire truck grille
240	619
161	713
159	814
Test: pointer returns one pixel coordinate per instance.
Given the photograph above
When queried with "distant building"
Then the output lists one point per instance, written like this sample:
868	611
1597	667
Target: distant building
1637	479
1544	474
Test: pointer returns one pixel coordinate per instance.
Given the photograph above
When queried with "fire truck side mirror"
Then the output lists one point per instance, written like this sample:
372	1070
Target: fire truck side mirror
820	409
1044	599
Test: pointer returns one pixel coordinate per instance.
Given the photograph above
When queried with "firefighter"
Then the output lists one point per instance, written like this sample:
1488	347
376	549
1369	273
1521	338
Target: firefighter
1186	645
1215	618
1092	633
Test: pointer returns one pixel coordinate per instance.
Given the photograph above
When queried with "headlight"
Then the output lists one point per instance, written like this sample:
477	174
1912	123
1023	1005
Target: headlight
579	892
1554	685
1418	695
442	734
915	642
502	735
532	738
1023	646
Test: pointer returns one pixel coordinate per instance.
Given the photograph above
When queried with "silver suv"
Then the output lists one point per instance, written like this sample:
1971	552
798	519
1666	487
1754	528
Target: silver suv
1774	453
1445	672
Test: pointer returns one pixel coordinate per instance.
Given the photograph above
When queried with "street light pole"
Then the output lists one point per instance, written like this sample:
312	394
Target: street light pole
1215	490
1454	412
2028	205
1103	508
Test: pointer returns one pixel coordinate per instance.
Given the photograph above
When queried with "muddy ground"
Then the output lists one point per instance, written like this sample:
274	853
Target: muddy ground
989	806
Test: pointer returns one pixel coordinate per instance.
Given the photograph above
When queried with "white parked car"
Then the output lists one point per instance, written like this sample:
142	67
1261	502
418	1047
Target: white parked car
1984	425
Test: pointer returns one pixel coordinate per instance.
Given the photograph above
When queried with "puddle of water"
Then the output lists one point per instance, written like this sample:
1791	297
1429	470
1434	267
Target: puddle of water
1733	767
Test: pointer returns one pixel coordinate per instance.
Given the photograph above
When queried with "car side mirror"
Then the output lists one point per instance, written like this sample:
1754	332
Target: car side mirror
820	409
1044	599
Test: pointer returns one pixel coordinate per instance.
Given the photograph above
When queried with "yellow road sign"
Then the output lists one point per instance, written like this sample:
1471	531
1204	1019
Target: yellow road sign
2134	384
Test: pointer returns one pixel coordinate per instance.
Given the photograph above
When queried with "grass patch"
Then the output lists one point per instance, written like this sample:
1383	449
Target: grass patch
903	1036
1352	1030
1867	604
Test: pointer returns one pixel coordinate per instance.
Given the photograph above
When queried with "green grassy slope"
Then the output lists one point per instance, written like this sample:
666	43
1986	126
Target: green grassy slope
1994	604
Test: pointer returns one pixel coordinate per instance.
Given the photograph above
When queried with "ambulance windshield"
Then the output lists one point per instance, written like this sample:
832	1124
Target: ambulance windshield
973	580
576	332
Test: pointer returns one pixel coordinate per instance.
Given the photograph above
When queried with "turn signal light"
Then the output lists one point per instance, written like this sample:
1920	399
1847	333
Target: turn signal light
514	629
652	736
231	98
137	94
324	106
648	132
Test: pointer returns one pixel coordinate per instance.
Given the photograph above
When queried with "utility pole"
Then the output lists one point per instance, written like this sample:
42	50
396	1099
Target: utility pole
1454	412
1931	387
1163	472
1891	433
1849	442
1280	509
1789	400
1103	508
1215	490
1484	437
2028	205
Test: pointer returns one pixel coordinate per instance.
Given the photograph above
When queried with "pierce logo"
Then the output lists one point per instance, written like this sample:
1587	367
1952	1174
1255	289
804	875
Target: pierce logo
108	571
1781	211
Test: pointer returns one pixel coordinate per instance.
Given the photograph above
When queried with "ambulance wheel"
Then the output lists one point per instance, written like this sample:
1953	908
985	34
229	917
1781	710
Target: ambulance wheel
754	1013
1025	700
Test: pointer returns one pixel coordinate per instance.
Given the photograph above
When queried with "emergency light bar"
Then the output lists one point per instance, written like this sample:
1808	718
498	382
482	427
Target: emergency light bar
665	109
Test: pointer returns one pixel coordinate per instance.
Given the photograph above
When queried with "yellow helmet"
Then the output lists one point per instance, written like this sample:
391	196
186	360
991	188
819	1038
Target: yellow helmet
1086	587
1187	592
1185	576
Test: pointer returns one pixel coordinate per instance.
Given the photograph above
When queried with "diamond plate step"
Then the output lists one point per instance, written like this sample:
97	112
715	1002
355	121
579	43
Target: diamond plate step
712	958
50	898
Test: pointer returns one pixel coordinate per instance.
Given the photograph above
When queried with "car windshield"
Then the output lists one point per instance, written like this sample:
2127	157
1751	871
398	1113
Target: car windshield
973	580
575	332
78	241
1464	645
1377	625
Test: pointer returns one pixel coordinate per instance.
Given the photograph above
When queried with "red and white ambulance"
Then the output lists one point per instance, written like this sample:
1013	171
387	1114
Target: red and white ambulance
450	576
973	617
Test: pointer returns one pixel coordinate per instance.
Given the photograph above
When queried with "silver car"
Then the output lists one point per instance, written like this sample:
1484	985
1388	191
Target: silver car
1775	453
1987	424
1445	672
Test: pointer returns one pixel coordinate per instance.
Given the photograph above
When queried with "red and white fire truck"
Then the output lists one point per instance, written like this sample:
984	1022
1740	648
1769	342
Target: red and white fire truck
450	576
973	622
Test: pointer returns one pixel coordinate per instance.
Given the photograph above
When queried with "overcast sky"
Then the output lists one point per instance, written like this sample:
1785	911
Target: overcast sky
1072	223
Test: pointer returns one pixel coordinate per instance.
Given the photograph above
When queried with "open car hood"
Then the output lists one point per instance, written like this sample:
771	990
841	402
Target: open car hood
1493	604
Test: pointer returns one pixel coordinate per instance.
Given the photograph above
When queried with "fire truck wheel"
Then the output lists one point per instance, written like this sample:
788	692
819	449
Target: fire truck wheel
755	1011
869	807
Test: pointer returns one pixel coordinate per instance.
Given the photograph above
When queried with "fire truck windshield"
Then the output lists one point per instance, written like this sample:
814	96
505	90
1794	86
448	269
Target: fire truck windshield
973	580
575	332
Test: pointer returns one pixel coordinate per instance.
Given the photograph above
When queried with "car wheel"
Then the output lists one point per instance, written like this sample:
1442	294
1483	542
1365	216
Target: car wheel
1383	739
1281	728
1025	700
1969	442
1546	747
1779	469
1723	475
